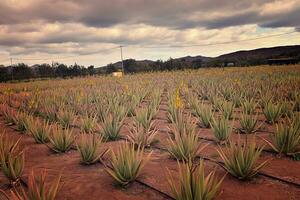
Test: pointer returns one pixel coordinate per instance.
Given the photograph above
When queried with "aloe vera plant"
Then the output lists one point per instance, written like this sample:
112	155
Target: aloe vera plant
227	109
88	124
272	112
111	128
185	145
38	189
240	160
66	117
61	139
248	124
144	117
8	146
217	103
221	129
8	114
249	106
194	184
88	147
142	137
22	121
12	159
40	130
127	163
286	139
183	123
204	114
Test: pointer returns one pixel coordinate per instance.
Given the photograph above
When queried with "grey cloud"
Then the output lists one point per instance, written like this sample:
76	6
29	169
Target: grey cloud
176	14
173	14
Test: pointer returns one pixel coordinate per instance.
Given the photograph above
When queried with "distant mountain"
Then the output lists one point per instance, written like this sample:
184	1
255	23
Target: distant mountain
260	56
238	58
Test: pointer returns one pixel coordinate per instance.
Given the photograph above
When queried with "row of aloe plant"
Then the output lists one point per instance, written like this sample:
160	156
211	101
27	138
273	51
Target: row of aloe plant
12	159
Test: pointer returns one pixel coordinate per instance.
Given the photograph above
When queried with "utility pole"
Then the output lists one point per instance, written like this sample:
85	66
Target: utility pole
12	69
122	58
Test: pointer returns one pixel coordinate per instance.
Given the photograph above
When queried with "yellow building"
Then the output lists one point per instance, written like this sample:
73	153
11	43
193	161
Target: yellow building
117	74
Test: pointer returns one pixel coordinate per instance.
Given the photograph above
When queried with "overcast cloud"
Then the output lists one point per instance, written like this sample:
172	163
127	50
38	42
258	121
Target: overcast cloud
57	28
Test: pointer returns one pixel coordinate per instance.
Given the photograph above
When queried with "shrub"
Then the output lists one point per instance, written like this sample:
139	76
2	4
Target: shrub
126	163
272	112
88	147
193	184
140	136
240	160
61	139
221	129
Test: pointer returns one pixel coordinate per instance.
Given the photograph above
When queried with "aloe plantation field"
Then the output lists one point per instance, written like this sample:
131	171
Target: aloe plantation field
231	133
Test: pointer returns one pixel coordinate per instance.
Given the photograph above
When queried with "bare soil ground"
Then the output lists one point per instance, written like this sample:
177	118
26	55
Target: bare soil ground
280	179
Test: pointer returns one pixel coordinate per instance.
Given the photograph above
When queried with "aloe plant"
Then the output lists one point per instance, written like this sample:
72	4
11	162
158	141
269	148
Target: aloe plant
88	147
182	123
286	139
227	109
240	160
8	114
272	112
23	121
193	184
40	130
8	146
142	137
111	128
88	124
66	117
61	139
144	117
204	114
217	103
38	188
248	124
249	106
221	129
185	145
12	159
127	164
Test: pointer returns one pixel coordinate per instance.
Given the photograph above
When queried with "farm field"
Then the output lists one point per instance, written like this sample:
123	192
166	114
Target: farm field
241	124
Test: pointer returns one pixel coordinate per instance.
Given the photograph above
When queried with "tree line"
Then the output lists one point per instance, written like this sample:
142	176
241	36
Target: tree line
23	71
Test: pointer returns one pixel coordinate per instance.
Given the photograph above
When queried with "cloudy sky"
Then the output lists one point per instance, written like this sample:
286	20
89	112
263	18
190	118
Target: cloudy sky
88	31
